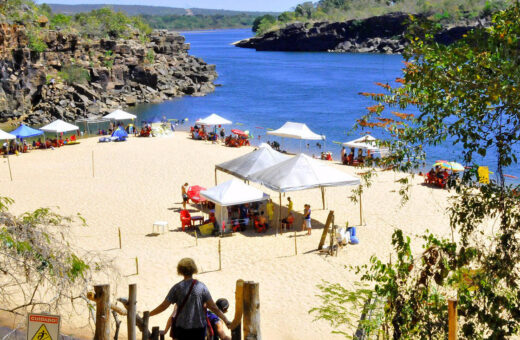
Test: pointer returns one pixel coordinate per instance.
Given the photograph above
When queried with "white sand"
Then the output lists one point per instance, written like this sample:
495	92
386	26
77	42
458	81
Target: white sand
138	182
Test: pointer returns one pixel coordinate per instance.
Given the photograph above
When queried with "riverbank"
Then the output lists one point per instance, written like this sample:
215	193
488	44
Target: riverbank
138	182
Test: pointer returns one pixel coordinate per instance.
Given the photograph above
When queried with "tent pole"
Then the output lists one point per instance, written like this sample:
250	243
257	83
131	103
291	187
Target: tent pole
323	196
279	212
215	176
360	210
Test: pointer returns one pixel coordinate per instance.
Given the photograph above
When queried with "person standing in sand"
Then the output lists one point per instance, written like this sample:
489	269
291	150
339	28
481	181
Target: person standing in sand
270	210
191	298
307	219
289	205
184	195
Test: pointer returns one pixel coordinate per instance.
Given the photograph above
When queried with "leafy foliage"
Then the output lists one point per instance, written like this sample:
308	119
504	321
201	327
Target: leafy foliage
199	21
73	73
465	94
38	266
341	10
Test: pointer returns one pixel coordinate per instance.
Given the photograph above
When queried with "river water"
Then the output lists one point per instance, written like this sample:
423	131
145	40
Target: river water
265	89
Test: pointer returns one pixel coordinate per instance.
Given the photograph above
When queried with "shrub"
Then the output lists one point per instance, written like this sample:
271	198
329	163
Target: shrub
74	74
36	43
150	56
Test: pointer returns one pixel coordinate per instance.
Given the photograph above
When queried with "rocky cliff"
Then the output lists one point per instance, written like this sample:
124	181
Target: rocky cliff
76	77
380	34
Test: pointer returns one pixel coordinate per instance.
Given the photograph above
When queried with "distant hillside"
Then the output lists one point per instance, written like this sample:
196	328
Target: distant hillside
149	10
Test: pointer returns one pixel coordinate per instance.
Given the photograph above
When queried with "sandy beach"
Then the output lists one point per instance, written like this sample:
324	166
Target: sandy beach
139	182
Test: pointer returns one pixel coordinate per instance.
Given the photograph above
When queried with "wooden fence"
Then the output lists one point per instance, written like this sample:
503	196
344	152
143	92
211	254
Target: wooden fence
246	321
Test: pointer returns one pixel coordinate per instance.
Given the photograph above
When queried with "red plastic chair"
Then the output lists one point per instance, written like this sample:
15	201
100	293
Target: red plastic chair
260	228
186	219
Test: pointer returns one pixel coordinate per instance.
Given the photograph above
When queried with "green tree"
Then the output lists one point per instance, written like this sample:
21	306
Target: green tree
38	265
268	18
466	94
305	10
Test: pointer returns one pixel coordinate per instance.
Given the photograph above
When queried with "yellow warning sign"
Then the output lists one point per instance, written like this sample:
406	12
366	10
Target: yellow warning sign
42	334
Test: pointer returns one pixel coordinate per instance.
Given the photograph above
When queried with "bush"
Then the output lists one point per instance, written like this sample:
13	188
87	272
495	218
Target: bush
150	56
36	43
74	74
60	21
265	19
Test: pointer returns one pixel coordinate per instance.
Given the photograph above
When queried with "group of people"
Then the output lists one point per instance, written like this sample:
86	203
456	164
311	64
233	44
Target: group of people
439	177
14	146
195	316
236	141
351	159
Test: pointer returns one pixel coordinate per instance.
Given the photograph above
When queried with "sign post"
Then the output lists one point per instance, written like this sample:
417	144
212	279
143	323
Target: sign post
43	327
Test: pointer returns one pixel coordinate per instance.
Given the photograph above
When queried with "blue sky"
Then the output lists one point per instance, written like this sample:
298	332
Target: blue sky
241	5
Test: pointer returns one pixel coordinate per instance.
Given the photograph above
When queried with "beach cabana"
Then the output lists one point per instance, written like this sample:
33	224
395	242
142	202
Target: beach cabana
296	131
59	126
213	119
120	115
366	143
229	193
244	166
299	173
24	131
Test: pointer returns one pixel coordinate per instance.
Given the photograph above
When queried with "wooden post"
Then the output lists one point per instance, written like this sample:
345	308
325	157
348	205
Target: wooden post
279	214
219	256
323	196
9	165
120	244
130	317
360	209
155	333
452	319
136	266
326	229
102	298
215	176
146	319
196	238
236	325
251	311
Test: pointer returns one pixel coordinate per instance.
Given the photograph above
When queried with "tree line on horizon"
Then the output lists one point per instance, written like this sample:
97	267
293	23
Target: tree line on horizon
341	10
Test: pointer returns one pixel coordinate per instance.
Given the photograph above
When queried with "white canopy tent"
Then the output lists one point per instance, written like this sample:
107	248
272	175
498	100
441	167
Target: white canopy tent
302	172
366	143
213	119
6	136
120	115
232	192
59	126
252	162
296	131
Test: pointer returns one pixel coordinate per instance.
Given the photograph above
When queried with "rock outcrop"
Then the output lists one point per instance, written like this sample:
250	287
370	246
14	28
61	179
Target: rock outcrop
112	74
380	34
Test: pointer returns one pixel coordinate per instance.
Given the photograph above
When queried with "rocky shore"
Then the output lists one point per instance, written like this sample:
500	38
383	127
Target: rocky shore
76	78
380	34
